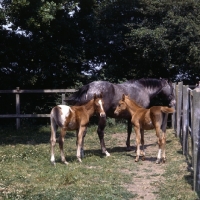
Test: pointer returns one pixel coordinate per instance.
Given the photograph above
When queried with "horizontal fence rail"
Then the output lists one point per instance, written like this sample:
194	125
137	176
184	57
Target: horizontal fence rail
17	93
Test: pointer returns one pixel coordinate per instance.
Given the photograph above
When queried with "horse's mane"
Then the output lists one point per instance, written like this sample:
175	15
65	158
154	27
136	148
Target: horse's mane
147	82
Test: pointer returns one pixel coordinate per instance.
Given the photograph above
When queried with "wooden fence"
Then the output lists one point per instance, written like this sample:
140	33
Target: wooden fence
186	123
18	92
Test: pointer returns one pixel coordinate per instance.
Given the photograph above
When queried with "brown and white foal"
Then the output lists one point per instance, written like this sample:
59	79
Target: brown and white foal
145	119
73	118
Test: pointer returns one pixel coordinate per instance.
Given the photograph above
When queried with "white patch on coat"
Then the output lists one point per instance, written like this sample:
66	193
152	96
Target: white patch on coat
159	154
65	110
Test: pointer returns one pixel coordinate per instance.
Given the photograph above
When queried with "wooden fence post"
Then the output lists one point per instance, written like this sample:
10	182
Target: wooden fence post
185	118
17	108
63	98
179	108
174	114
196	139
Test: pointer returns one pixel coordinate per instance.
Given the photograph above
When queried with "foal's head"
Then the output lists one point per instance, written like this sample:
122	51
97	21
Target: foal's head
122	106
98	105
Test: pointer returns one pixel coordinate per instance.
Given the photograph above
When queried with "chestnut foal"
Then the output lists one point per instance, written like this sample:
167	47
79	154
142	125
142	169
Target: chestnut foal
73	118
145	119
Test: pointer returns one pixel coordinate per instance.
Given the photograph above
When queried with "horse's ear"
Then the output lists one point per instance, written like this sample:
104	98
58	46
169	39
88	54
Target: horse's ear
164	81
95	96
123	97
101	95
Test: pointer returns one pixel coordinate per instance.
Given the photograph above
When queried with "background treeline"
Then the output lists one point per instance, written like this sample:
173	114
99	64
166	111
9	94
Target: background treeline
65	44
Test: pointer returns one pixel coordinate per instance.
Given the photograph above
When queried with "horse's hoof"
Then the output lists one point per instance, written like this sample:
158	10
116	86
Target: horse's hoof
158	161
65	162
143	158
164	160
53	163
136	160
79	160
107	154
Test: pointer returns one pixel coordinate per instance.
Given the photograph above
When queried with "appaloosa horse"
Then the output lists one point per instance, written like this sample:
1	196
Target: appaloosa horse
142	91
73	118
145	119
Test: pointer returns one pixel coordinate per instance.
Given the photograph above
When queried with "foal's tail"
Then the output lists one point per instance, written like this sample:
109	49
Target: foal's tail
166	109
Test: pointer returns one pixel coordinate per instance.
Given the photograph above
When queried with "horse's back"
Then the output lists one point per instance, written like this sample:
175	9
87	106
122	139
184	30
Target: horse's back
86	92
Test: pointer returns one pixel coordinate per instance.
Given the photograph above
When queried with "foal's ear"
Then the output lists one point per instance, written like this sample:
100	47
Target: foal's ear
95	96
101	95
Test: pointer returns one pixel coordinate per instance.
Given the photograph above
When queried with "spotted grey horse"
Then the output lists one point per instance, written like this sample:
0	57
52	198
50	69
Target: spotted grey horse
143	91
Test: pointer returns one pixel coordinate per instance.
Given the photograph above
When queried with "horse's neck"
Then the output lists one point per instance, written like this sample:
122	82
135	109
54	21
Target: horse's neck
132	106
153	91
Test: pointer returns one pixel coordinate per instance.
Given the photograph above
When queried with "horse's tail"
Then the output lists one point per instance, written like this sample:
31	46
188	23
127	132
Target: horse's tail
166	109
78	96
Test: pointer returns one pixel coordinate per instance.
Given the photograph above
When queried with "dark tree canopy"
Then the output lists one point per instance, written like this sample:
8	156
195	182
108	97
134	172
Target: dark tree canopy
64	44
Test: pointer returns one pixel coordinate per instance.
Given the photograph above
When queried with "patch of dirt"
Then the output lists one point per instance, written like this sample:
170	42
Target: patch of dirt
148	177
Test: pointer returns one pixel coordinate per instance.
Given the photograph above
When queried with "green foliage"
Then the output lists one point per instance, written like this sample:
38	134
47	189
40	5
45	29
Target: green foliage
128	39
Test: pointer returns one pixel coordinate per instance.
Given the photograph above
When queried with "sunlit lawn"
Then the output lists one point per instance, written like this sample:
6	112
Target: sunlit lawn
26	171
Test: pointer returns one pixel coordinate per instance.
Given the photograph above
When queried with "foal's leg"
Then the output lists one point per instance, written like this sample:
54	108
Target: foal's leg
142	142
53	140
129	130
163	127
138	140
163	147
82	146
81	131
61	142
158	130
100	131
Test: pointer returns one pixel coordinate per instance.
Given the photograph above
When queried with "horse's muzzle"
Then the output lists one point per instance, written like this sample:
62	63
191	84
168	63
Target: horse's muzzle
102	114
172	103
116	113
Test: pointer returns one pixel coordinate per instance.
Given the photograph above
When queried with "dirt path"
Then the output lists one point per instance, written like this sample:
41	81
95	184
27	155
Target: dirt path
149	176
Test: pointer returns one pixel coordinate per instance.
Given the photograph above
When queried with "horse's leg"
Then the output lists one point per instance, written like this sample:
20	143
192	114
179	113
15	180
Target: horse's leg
129	130
81	131
164	122
142	143
138	141
100	131
53	140
61	142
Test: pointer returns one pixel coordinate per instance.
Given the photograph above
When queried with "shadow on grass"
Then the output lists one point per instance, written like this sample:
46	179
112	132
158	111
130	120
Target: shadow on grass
30	136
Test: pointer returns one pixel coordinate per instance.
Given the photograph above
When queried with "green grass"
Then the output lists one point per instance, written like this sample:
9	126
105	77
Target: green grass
26	171
178	176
